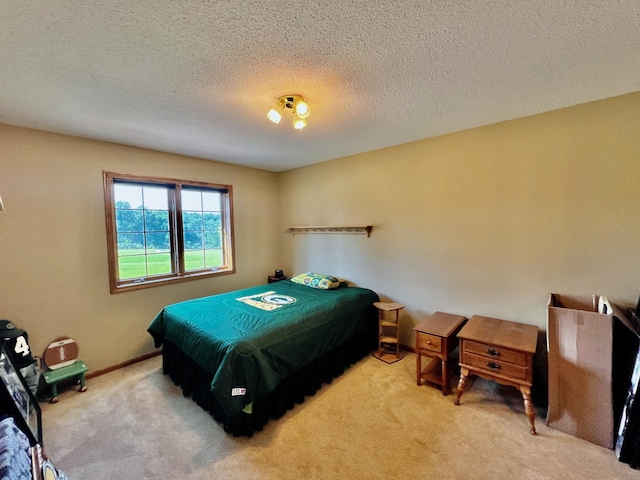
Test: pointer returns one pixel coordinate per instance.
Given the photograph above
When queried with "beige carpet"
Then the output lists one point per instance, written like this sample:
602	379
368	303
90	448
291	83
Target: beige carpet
373	422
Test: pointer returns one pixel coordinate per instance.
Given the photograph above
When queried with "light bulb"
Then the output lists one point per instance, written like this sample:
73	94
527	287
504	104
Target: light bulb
299	123
275	114
302	109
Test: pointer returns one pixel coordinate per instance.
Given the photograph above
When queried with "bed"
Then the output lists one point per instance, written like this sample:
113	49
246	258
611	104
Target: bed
250	355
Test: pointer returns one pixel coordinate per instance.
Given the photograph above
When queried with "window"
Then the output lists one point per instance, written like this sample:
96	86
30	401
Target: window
162	231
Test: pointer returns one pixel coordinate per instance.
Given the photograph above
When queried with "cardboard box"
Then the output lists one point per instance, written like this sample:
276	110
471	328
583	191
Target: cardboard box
579	345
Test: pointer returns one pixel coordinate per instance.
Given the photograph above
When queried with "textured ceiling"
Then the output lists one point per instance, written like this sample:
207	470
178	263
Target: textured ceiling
197	77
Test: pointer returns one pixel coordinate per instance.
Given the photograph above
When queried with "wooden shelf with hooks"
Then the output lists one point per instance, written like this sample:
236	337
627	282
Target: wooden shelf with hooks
330	229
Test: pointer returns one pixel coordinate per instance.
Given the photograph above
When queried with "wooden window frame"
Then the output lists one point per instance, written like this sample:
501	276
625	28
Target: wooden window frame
179	273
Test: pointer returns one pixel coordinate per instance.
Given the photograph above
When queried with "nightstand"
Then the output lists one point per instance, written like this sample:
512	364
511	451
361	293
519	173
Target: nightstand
273	278
502	351
436	339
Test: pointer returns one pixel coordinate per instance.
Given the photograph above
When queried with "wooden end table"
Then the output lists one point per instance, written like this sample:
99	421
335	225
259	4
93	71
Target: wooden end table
502	351
436	339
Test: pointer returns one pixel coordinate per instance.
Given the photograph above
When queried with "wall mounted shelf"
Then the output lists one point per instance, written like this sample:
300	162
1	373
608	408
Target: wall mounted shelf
328	229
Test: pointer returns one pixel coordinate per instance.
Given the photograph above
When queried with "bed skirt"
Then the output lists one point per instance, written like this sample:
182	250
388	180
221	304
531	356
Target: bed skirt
195	382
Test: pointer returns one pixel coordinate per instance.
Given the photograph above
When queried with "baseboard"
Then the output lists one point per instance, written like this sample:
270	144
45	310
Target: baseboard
96	373
407	348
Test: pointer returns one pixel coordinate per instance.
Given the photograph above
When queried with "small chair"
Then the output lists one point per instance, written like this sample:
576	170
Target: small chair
388	328
61	357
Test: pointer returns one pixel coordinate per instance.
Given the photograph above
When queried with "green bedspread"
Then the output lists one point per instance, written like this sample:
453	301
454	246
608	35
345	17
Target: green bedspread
251	339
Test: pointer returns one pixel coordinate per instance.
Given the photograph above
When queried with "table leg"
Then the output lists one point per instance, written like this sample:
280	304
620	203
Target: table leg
418	368
464	374
54	393
445	378
528	408
83	386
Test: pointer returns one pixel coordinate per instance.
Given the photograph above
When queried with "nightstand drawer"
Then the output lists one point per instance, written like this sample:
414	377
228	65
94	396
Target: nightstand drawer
494	366
429	342
496	353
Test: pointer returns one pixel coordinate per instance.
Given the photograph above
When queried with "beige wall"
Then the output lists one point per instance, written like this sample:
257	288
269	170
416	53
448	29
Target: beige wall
53	257
487	221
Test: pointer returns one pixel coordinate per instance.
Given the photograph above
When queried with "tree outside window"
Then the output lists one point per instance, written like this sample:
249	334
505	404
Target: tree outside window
161	231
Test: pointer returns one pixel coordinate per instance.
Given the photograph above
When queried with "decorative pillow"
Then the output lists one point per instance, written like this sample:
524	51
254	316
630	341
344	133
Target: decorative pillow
318	280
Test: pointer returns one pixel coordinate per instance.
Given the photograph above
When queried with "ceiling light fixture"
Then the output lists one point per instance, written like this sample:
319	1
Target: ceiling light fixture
297	106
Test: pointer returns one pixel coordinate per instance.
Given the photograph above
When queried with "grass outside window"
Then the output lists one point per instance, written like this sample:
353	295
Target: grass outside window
163	230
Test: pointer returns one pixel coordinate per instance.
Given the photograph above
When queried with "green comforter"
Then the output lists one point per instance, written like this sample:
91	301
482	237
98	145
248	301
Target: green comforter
251	339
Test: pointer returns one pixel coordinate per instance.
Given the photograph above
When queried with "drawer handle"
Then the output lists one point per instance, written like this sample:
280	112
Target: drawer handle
493	366
429	342
492	352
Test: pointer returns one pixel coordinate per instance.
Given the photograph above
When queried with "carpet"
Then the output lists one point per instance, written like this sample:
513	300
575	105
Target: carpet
371	423
387	356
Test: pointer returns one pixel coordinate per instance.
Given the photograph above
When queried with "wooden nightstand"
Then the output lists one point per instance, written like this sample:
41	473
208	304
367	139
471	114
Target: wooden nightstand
502	351
436	339
273	278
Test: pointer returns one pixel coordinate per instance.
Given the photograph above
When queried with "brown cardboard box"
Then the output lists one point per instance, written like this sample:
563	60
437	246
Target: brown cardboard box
579	345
